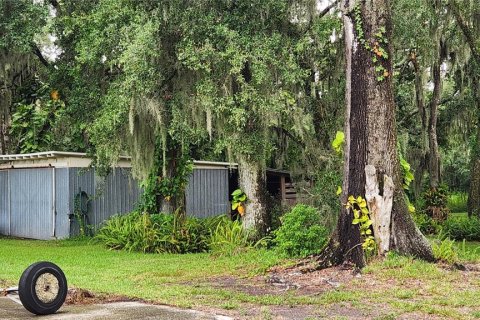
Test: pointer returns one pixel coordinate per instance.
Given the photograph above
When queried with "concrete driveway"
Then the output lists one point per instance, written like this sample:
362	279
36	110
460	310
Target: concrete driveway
9	310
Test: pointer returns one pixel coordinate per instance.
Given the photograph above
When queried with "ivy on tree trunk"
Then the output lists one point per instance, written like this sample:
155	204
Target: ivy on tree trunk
371	138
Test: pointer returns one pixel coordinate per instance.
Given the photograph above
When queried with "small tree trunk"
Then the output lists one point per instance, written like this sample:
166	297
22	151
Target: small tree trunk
474	190
252	181
421	155
434	156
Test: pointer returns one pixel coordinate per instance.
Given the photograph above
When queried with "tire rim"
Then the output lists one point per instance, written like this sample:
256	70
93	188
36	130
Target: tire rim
47	288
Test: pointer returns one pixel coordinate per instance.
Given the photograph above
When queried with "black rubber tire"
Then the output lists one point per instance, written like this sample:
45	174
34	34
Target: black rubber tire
27	290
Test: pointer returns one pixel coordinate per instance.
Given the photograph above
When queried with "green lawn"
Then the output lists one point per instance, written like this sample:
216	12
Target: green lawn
166	278
387	288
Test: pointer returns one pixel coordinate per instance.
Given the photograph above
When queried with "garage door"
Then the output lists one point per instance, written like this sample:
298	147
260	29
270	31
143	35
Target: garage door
31	203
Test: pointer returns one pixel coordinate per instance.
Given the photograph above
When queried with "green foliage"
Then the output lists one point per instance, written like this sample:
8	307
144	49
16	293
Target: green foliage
436	200
31	124
41	120
377	45
131	232
154	233
238	198
43	124
407	173
445	250
460	227
362	218
302	232
20	23
228	237
425	223
171	233
159	186
337	143
191	74
457	202
324	195
437	197
456	156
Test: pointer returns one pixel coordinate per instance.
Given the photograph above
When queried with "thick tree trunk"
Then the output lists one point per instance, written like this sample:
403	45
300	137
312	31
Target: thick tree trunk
371	140
252	182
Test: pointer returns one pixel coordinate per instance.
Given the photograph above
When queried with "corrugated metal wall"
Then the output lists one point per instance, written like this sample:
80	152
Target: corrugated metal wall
27	197
117	193
207	193
62	206
4	203
32	203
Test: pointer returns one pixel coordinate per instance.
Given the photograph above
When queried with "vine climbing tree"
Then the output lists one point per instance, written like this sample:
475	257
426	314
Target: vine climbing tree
371	167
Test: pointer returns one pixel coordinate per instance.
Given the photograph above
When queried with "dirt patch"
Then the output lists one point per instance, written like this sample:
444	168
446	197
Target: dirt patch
280	280
310	283
77	296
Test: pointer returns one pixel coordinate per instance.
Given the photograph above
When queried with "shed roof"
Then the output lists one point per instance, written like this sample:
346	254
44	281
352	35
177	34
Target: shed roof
52	159
82	160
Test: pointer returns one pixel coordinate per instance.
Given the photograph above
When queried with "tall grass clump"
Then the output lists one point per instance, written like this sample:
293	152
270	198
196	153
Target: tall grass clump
170	233
174	233
229	237
131	232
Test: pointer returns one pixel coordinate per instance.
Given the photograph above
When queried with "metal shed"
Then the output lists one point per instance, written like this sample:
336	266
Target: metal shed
38	193
208	190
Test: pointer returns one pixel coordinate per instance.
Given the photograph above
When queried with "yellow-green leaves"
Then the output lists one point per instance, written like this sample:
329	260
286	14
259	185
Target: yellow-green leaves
361	217
407	173
337	143
339	190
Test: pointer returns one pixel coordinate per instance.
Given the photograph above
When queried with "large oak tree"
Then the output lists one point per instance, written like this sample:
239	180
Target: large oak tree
371	168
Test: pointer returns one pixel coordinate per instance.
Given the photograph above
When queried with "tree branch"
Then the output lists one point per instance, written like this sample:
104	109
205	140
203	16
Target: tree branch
327	9
40	56
291	136
467	32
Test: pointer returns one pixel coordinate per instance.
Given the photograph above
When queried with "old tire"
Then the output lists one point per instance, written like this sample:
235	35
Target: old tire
42	288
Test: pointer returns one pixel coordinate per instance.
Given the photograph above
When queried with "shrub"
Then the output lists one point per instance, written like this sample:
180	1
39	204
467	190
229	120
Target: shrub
302	232
436	203
154	233
462	227
425	223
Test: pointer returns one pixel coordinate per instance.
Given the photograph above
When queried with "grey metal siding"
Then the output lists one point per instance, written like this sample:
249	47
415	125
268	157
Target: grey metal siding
31	203
207	193
4	203
80	179
118	193
62	207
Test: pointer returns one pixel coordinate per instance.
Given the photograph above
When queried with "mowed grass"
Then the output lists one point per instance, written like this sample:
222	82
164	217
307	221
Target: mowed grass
388	288
165	278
